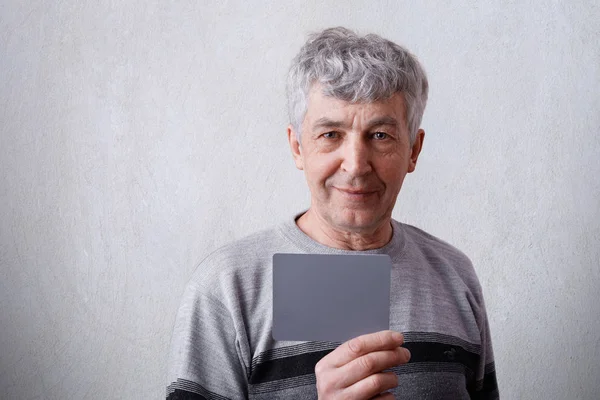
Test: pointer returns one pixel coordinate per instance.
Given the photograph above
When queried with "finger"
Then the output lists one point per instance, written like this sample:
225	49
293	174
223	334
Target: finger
371	386
370	364
359	346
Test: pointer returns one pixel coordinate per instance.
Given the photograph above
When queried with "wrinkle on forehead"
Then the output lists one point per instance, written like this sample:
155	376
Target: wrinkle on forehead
331	112
384	120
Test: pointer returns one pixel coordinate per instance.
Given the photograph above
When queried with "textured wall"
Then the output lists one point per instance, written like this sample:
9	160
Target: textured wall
135	138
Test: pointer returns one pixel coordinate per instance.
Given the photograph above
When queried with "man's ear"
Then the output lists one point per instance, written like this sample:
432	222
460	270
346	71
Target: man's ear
416	150
295	147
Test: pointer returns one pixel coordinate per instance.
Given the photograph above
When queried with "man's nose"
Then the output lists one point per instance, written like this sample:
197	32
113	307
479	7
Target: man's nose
356	157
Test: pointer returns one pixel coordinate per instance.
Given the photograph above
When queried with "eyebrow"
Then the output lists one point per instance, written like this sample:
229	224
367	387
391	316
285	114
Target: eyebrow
325	122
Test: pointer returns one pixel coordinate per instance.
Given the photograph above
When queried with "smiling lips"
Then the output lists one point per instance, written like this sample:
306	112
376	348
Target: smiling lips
356	194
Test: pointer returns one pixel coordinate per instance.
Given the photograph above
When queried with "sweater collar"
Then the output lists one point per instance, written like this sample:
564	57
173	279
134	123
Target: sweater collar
291	231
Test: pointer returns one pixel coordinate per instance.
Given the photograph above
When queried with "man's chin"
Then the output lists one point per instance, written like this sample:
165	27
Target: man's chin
358	221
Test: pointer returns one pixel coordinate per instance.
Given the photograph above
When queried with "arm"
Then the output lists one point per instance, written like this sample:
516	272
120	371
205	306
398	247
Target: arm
204	360
485	386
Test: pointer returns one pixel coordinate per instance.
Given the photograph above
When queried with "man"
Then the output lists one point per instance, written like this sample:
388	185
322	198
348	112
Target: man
355	105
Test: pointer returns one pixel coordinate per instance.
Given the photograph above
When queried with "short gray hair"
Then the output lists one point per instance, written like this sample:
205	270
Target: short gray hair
356	69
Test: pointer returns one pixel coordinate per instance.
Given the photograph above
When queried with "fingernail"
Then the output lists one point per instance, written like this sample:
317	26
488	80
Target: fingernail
397	336
406	352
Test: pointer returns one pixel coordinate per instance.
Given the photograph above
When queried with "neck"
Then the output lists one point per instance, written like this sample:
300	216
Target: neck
320	230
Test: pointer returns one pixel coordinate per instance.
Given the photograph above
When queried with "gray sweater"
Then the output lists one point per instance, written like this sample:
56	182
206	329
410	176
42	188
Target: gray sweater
222	346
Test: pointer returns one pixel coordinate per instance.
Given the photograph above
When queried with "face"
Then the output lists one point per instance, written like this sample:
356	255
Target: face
355	158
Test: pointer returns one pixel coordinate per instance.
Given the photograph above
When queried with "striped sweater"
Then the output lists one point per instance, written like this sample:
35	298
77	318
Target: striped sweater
222	347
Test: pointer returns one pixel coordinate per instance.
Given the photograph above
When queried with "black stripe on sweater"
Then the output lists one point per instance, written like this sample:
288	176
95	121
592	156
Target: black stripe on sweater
188	390
304	364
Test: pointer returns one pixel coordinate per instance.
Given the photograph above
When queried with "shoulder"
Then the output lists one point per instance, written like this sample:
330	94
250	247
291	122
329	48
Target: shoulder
432	245
237	262
441	254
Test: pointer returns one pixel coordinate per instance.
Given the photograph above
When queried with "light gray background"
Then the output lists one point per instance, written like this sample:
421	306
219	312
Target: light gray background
138	136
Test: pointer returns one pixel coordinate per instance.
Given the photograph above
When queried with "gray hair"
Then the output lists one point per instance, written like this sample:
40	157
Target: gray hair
356	69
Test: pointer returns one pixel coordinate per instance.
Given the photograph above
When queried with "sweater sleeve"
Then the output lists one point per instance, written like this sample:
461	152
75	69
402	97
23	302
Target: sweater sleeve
485	386
204	360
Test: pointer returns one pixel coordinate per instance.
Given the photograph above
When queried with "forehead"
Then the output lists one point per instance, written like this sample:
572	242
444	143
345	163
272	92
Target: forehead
323	106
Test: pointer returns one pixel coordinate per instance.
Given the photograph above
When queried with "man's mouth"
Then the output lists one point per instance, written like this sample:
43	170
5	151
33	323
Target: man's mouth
356	193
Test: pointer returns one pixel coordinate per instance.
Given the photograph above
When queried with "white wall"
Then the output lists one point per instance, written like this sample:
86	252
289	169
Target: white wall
138	137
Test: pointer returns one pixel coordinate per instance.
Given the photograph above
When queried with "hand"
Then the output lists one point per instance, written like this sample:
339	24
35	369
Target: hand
353	370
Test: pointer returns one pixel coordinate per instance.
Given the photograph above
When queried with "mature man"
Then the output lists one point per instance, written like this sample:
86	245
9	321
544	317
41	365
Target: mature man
355	105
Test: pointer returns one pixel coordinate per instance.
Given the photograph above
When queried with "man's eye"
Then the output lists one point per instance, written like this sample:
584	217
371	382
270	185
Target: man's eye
380	135
330	135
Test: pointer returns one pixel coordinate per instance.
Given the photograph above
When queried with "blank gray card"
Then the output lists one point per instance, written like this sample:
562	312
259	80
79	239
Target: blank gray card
330	297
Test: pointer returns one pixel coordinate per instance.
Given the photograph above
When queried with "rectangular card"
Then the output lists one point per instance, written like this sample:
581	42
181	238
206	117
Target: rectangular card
323	297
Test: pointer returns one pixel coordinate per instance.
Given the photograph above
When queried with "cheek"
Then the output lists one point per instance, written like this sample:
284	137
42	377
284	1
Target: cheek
392	174
319	169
